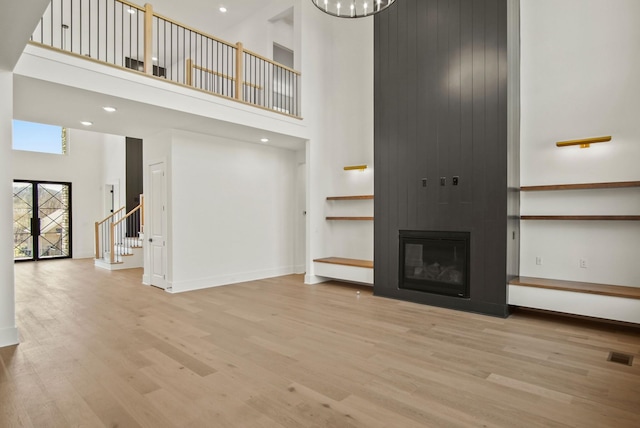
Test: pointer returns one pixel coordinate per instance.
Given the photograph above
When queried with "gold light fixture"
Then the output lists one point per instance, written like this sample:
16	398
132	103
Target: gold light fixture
355	167
584	142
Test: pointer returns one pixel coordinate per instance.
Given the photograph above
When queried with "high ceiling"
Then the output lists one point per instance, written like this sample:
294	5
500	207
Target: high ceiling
205	14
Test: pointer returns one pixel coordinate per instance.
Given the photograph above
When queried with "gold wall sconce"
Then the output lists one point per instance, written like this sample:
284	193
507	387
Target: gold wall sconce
355	167
584	142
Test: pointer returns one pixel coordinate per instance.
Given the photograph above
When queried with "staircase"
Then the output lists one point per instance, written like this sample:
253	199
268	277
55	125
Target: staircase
119	239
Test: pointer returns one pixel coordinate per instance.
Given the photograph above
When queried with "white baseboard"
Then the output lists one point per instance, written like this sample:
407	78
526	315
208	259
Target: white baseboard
8	337
216	281
315	279
83	256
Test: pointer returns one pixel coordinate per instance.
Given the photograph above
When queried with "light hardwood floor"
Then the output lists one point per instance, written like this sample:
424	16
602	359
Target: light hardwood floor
100	349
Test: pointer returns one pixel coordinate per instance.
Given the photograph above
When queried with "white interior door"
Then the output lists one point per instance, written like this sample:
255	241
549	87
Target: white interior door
157	232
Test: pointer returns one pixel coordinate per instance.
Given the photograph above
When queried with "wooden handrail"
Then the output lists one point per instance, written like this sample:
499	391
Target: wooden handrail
97	231
112	229
129	214
191	66
272	62
186	27
109	217
135	6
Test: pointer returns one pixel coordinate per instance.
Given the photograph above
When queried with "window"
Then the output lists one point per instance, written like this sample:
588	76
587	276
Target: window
38	137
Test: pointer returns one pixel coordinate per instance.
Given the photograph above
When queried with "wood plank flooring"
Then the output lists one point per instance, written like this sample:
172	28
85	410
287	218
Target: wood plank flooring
100	349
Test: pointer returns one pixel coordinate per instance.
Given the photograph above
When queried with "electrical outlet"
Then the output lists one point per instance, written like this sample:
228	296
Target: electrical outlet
538	260
583	263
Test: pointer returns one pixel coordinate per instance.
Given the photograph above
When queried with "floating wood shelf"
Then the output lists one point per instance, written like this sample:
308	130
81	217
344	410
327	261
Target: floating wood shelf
349	218
611	185
578	287
347	262
349	198
582	217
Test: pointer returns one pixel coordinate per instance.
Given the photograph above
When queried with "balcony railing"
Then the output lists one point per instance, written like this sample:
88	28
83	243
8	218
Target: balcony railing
134	37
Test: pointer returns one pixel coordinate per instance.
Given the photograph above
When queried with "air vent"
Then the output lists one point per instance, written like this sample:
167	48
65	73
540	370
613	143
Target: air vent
620	358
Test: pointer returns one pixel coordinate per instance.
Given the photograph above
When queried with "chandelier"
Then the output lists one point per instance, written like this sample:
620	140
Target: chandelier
352	8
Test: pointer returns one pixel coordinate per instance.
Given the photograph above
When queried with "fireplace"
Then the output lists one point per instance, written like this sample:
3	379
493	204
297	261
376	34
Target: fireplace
434	262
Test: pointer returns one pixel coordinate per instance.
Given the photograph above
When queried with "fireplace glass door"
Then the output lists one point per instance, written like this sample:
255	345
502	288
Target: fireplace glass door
435	262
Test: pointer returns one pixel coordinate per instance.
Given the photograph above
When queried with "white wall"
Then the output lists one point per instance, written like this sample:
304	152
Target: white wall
232	211
83	168
8	331
335	57
337	92
256	32
580	68
114	167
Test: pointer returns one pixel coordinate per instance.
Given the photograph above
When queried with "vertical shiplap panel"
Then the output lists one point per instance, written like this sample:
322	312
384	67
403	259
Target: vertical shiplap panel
412	176
454	72
429	113
381	150
441	79
403	86
439	113
466	107
494	159
423	92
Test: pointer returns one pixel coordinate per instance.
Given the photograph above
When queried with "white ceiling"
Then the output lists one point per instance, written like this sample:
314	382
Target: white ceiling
17	21
45	102
205	14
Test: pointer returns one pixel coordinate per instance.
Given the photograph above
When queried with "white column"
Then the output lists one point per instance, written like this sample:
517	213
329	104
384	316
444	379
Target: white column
8	330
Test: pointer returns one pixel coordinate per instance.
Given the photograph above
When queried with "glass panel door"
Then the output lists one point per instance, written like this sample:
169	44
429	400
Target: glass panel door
41	220
54	219
22	221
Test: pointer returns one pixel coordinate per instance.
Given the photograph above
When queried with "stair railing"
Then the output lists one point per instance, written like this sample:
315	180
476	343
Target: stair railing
134	37
102	241
124	234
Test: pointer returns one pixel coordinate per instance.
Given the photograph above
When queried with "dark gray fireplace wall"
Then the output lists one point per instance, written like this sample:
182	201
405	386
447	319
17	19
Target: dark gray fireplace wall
441	112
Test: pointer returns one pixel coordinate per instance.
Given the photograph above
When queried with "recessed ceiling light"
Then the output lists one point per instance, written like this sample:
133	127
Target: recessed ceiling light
154	58
264	140
86	123
109	109
223	9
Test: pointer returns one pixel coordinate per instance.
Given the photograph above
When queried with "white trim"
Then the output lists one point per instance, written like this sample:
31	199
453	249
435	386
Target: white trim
219	280
315	279
8	337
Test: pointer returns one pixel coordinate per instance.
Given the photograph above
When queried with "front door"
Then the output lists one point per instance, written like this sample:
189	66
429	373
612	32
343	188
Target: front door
157	226
41	220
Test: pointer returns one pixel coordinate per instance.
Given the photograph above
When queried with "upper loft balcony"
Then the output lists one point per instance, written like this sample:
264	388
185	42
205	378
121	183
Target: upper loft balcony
139	40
